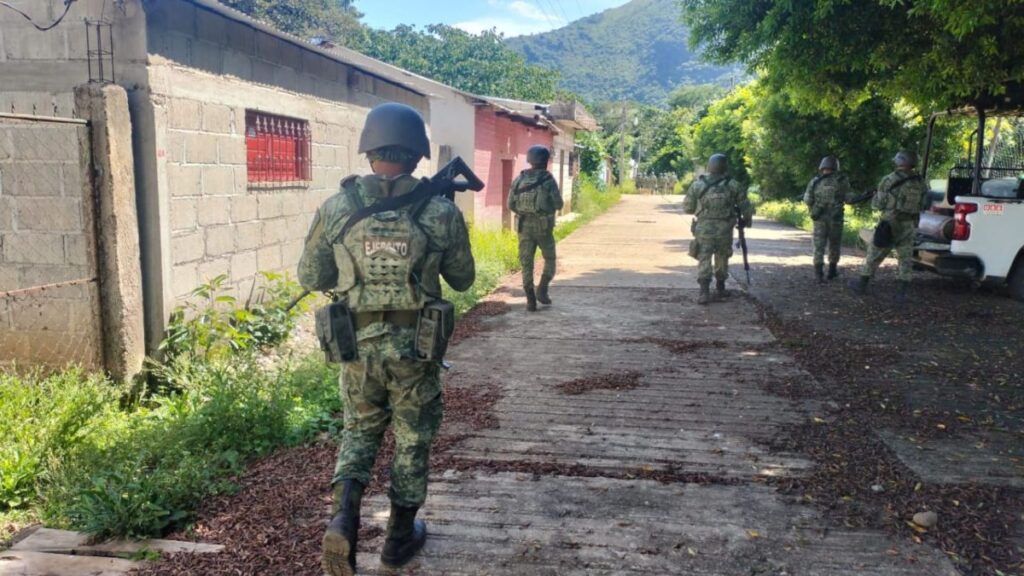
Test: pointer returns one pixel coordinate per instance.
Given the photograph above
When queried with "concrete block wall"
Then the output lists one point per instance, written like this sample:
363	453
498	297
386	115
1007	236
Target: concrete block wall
46	239
560	166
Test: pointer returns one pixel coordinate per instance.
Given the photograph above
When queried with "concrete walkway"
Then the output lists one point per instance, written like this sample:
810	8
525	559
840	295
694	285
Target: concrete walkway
671	476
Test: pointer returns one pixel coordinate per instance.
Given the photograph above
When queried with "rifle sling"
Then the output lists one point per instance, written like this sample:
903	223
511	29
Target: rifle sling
543	180
705	191
421	192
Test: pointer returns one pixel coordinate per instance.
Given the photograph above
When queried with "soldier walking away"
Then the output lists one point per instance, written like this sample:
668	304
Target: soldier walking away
535	199
713	200
825	197
900	198
385	271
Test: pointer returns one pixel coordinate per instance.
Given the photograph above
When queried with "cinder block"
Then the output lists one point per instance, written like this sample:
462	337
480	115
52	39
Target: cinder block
184	279
72	181
263	72
211	28
31	179
183	214
218	180
220	240
49	315
212	268
184	114
269	206
291	203
244	208
323	155
291	56
295	227
48	143
214	210
25	43
240	38
269	258
238	64
49	214
218	119
248	236
8	278
175	146
188	247
244	265
290	254
78	249
185	180
268	47
6	210
200	148
232	150
286	77
273	231
33	248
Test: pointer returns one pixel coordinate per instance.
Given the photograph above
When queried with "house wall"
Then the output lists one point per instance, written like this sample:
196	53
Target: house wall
500	143
201	216
561	166
452	124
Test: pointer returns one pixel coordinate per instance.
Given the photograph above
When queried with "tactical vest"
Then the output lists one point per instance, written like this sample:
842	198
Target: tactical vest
906	196
715	201
531	199
828	199
381	258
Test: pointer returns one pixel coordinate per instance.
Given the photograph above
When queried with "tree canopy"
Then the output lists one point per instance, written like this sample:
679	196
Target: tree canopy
477	63
828	53
304	18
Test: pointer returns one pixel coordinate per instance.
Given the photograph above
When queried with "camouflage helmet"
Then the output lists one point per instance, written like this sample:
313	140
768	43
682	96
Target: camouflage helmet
717	164
395	124
538	155
906	158
829	163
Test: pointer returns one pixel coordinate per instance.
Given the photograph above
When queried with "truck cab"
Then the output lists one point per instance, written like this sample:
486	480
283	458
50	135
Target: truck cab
972	225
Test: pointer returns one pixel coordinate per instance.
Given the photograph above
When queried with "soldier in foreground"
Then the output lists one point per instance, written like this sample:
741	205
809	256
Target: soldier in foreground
825	197
714	199
385	268
535	199
900	198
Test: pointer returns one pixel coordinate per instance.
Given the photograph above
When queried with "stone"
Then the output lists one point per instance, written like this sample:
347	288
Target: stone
926	519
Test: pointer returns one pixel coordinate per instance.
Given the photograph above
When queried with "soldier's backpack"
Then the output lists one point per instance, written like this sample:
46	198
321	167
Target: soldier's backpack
529	199
907	201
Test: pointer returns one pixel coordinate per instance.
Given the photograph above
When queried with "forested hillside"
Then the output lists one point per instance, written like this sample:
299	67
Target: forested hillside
635	52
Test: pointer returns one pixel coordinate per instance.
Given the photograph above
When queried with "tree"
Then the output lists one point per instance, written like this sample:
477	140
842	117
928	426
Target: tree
722	131
331	19
696	97
477	63
832	53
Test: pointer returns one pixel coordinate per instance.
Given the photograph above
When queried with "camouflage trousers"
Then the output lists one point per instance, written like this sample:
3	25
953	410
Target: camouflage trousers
379	389
903	245
828	234
536	232
714	238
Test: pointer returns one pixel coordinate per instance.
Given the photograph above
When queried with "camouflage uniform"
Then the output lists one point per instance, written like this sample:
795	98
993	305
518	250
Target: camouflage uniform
386	385
900	198
825	197
536	228
712	200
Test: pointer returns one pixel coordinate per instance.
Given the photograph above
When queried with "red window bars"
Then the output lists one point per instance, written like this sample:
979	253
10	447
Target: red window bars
278	148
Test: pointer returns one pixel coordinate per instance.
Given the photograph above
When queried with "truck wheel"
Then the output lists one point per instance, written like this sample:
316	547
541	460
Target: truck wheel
1016	283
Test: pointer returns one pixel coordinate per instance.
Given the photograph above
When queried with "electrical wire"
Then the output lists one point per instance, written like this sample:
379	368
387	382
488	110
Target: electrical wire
67	8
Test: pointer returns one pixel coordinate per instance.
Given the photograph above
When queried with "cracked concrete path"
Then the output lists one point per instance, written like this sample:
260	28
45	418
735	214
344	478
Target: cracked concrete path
668	475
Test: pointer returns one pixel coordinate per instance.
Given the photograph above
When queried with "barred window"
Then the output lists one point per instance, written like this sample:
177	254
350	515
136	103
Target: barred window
278	148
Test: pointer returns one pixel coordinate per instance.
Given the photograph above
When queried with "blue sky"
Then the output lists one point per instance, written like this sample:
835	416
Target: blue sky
512	17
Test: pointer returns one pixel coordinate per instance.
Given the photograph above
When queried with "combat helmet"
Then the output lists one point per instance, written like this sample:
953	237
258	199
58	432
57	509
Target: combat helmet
538	155
829	163
395	124
906	158
717	164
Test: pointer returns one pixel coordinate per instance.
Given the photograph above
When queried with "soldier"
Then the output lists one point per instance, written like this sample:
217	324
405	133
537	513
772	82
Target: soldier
386	268
825	197
900	198
713	200
535	199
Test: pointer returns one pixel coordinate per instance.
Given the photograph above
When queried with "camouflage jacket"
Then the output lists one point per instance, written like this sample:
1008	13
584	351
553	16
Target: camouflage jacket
534	192
330	263
826	195
901	195
716	198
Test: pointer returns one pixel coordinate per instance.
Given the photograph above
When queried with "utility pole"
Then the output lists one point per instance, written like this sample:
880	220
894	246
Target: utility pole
622	146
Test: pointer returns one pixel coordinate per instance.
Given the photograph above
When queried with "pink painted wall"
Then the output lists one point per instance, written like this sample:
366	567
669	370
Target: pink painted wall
500	144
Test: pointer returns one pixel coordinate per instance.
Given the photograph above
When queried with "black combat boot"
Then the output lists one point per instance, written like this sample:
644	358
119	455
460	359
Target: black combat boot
542	291
705	292
860	284
339	544
901	291
406	535
720	292
531	299
833	270
819	273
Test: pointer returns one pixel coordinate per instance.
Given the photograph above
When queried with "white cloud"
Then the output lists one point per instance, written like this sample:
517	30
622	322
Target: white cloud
530	12
514	18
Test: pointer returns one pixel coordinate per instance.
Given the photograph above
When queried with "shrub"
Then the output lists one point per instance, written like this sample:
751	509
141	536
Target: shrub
795	214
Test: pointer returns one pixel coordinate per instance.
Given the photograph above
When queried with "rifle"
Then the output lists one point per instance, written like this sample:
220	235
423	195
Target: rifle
863	197
455	176
742	243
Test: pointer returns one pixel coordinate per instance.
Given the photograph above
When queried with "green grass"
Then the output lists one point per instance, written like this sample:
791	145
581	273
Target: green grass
796	214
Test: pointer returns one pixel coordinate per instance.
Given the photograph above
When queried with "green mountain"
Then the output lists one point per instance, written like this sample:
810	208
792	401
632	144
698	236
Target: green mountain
637	51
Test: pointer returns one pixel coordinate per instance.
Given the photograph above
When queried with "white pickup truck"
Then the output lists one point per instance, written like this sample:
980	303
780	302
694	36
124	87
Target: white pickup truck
973	226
